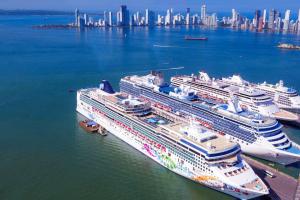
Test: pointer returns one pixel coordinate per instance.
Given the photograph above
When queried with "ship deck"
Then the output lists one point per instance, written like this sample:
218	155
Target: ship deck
172	130
165	125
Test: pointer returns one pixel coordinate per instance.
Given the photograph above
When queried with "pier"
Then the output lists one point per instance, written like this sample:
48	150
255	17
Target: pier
281	187
297	193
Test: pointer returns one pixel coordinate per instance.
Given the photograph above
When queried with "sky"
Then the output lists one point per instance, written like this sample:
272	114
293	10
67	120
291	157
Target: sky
179	5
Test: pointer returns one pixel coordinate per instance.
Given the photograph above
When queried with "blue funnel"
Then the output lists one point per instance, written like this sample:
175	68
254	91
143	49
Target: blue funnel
106	87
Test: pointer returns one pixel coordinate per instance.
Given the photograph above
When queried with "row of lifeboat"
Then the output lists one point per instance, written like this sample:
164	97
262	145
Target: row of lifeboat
140	136
213	98
163	107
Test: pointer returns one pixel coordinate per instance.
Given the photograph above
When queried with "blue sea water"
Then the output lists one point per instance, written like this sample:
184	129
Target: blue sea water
43	152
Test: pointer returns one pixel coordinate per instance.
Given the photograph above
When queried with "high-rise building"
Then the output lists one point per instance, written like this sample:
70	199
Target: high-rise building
80	22
195	20
118	18
86	19
132	20
169	17
214	19
286	21
203	12
110	20
188	17
123	16
260	24
264	18
149	18
160	20
298	23
234	18
106	18
256	18
271	19
76	17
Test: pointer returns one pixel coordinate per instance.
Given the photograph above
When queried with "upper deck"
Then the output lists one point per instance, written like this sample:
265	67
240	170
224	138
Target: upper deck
221	86
208	140
203	140
249	119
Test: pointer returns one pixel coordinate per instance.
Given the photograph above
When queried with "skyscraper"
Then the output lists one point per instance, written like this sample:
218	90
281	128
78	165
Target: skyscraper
298	24
213	21
278	20
106	18
150	18
110	20
147	16
118	18
124	16
76	17
271	19
188	17
86	19
169	17
256	18
233	18
260	24
195	19
203	12
286	22
264	18
160	20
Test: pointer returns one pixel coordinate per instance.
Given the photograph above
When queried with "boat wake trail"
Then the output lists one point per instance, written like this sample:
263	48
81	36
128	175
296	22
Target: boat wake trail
172	68
163	46
163	69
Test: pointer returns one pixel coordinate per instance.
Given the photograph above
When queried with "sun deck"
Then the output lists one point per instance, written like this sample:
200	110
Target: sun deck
247	116
172	129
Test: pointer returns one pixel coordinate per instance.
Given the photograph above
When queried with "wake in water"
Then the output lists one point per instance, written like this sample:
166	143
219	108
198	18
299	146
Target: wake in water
172	68
163	69
164	46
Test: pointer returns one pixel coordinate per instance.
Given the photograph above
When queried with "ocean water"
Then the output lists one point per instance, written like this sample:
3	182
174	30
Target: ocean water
43	152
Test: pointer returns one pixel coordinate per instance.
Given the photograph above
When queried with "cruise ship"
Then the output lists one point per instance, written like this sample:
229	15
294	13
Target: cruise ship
286	98
218	91
183	147
258	136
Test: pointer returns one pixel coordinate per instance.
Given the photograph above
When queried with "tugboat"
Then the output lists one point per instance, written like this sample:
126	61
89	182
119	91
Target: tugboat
89	126
288	46
195	38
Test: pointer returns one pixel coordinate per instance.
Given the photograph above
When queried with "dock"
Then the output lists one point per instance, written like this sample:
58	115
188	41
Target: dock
297	194
281	187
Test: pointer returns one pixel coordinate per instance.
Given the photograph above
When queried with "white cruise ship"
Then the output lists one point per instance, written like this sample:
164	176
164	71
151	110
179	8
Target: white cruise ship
286	98
187	149
220	91
257	135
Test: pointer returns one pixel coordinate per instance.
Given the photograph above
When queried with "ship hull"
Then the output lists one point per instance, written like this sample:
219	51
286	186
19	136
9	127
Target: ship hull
182	171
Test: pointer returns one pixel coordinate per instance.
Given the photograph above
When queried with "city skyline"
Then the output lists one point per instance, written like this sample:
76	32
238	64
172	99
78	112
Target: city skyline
271	20
93	5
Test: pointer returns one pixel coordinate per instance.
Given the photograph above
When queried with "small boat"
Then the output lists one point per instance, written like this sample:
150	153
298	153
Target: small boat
89	126
195	38
102	131
288	46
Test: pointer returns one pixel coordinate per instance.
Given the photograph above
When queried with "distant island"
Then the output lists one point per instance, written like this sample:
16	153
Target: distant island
34	12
